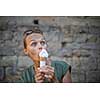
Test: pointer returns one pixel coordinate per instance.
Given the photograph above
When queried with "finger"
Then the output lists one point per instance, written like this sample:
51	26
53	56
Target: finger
39	77
49	76
47	67
37	70
39	74
50	67
47	70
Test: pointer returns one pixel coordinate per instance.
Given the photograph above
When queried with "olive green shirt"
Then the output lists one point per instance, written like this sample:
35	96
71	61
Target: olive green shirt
60	68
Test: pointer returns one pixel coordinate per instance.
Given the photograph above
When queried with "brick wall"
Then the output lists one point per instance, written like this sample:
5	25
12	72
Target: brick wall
75	40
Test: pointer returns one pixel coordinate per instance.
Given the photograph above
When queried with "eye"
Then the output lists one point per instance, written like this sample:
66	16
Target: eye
43	43
34	44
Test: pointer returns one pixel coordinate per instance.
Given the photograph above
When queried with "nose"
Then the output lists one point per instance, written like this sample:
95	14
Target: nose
39	46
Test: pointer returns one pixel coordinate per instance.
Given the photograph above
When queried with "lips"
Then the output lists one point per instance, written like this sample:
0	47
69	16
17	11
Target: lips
40	49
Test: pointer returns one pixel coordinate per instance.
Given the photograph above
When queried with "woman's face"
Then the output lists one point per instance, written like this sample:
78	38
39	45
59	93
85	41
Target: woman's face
34	44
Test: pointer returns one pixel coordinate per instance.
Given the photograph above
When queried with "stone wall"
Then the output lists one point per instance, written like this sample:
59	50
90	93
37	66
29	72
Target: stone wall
73	39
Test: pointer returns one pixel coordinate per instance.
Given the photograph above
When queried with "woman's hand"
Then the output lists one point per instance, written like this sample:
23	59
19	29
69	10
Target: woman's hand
49	73
46	72
39	76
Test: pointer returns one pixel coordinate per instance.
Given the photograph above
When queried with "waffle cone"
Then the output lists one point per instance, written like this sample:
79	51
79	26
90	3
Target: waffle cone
37	62
42	58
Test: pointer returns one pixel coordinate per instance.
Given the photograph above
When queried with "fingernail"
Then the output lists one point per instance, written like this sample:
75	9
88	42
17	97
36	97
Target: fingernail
38	68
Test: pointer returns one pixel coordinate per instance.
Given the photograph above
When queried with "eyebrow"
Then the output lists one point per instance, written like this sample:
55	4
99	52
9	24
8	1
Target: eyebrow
35	40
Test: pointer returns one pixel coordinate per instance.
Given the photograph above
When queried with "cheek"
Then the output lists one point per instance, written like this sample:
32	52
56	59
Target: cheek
33	51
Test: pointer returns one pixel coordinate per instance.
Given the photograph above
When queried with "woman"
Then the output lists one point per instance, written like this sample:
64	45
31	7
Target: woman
57	71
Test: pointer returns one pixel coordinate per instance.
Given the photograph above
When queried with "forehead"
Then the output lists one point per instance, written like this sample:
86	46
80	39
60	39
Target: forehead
33	37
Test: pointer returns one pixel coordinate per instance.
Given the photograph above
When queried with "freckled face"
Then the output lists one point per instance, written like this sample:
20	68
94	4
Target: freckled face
35	43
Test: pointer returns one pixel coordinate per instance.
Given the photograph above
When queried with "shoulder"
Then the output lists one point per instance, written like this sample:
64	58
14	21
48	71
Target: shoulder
61	68
27	74
60	63
23	75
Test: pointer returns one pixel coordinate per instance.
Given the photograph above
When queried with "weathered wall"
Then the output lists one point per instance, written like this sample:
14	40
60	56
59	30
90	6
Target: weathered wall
75	40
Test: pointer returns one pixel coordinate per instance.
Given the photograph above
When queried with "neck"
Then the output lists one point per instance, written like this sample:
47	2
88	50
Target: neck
36	63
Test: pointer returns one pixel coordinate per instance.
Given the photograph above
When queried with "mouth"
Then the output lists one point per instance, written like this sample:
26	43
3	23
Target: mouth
40	49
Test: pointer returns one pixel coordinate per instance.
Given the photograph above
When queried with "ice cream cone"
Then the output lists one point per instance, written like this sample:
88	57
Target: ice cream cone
42	61
43	56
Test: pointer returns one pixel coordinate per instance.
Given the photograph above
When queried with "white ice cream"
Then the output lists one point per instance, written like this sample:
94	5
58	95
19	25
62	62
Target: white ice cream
44	54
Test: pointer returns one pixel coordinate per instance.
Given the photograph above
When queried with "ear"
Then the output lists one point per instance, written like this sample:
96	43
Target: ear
25	51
